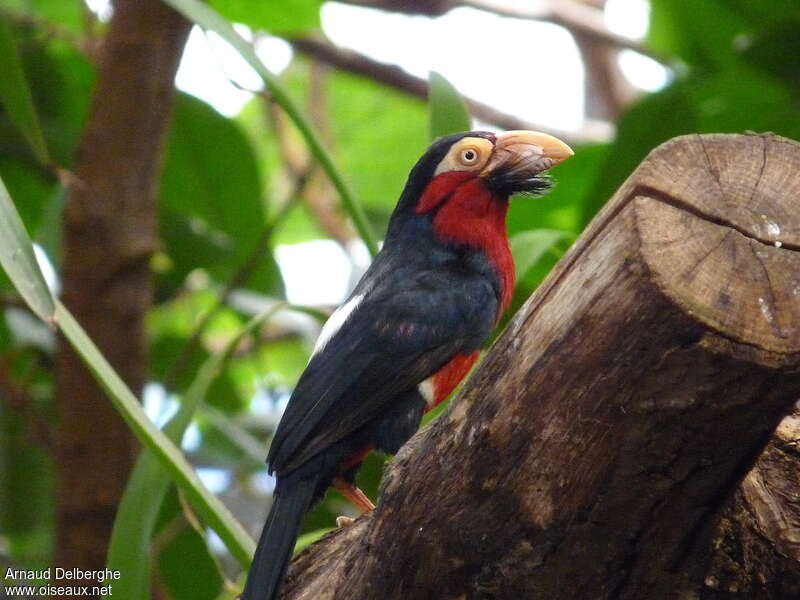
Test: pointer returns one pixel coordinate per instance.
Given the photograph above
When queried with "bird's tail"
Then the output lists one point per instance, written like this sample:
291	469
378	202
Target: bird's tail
278	537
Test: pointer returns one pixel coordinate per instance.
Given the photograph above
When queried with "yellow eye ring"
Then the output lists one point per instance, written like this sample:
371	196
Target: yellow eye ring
469	156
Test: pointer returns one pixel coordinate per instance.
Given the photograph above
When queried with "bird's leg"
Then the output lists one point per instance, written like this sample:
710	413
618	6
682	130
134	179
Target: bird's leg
346	486
352	493
345	482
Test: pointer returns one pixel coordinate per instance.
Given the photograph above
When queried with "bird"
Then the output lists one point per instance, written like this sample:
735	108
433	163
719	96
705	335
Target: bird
409	332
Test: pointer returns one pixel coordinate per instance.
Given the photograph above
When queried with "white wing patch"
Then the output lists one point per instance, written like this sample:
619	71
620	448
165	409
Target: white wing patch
335	322
427	390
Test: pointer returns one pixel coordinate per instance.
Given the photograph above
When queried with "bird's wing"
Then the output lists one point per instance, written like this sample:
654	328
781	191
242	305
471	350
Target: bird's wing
393	337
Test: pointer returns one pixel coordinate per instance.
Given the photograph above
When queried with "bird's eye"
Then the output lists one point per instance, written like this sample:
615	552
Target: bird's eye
468	156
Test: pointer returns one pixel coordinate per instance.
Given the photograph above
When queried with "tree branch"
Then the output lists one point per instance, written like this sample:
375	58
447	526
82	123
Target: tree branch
394	76
606	91
574	16
594	448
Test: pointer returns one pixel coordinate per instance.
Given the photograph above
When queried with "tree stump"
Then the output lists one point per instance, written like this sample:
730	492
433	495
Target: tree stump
593	450
756	548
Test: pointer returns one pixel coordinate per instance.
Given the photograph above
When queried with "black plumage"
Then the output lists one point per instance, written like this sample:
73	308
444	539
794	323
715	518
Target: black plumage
426	299
423	303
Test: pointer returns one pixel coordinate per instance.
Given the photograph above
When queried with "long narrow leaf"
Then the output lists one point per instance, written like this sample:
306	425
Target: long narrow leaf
129	549
448	111
207	18
19	262
15	95
17	258
208	506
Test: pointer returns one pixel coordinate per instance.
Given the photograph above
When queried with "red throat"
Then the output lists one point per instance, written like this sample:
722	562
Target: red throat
470	214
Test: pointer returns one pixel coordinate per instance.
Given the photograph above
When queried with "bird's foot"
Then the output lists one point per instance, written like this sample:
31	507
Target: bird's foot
343	521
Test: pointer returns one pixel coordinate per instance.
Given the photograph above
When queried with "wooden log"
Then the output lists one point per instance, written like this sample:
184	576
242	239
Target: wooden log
755	551
592	451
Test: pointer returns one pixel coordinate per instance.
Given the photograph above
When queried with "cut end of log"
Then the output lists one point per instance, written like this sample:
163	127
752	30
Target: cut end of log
719	228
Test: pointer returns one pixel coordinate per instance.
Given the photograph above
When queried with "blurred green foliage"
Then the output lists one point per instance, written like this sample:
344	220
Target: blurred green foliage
226	193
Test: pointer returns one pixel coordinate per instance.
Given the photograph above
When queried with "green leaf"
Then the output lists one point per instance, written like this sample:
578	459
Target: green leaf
776	50
60	82
15	95
211	199
208	506
529	247
26	478
65	13
19	262
740	99
766	13
448	112
280	18
700	33
186	568
208	18
285	360
30	185
129	549
535	254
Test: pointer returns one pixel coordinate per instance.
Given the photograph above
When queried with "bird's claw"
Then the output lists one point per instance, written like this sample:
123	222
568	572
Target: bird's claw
343	521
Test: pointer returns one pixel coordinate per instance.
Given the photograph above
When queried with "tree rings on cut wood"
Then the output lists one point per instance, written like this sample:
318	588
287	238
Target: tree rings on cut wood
720	230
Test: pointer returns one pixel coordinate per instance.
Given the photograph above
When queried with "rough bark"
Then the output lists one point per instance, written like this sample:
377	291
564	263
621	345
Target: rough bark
756	548
591	453
109	235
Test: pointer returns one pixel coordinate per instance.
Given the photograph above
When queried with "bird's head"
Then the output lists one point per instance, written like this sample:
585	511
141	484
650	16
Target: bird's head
459	190
480	164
